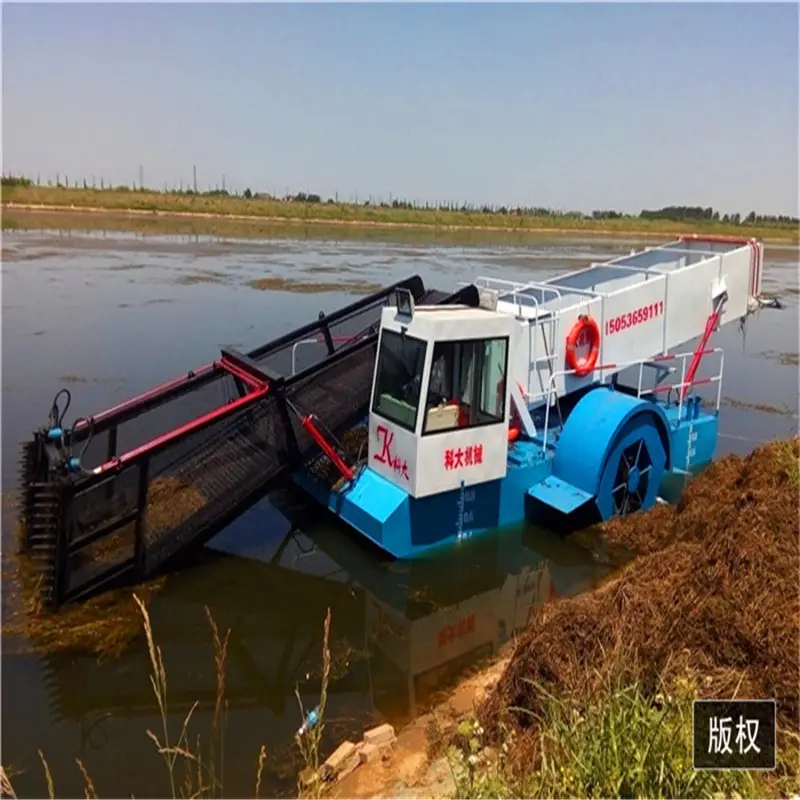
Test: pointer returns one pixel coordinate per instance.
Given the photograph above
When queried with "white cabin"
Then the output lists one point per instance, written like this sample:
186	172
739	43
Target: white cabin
441	401
440	410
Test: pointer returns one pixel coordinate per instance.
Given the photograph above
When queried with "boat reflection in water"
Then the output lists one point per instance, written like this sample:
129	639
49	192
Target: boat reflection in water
400	633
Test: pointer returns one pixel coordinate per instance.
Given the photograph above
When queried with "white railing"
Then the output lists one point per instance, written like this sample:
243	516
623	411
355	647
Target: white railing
319	340
549	358
654	363
518	290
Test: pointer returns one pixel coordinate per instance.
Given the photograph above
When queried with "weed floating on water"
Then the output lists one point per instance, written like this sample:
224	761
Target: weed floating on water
279	284
104	625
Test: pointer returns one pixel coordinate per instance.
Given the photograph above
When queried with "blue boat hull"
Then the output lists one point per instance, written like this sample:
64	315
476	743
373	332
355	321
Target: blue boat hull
542	486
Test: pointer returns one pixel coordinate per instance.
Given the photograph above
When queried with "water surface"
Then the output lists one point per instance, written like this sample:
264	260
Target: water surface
110	315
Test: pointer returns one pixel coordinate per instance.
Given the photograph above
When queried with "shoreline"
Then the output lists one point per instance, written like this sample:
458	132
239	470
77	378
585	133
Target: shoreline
429	755
415	766
388	225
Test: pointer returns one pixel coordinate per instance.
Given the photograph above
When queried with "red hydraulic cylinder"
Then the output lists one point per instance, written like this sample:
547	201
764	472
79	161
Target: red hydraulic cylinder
308	424
711	326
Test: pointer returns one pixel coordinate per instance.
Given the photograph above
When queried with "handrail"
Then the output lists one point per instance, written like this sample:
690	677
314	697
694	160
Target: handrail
317	340
653	363
516	288
547	358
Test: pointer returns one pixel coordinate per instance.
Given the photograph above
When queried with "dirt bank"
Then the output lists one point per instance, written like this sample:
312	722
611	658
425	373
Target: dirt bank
711	599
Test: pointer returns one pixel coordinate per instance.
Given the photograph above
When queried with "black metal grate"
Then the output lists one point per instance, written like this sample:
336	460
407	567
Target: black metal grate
180	494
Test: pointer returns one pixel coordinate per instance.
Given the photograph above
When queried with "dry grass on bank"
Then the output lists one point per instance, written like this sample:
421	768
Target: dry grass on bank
709	608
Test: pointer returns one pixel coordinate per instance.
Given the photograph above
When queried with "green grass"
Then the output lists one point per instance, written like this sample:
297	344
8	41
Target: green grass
262	209
264	228
620	744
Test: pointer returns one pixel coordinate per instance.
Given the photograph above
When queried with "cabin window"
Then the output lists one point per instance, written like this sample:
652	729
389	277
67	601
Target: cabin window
398	383
467	385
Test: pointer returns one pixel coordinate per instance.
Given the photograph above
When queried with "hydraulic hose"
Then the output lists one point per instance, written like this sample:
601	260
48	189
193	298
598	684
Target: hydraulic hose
57	415
77	463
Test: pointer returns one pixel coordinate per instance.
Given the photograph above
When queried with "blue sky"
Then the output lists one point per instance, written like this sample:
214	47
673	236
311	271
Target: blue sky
568	106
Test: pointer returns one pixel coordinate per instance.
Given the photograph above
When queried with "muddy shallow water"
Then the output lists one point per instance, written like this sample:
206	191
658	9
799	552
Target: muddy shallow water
110	315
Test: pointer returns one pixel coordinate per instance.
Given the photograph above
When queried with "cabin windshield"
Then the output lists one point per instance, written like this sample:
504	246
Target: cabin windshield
467	384
398	382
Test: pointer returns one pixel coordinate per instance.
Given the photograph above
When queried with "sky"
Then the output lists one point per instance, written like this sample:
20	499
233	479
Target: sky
569	106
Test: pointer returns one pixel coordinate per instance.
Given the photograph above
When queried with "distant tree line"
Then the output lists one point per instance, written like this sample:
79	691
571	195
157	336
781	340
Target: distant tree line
697	214
671	213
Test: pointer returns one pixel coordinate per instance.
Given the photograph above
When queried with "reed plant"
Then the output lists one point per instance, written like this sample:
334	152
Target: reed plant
193	769
309	737
203	772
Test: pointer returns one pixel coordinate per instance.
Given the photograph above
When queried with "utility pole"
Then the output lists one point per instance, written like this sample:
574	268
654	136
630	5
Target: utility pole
194	175
141	178
223	182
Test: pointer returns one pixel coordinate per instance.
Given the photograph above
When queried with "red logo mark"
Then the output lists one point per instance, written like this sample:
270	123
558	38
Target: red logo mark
463	457
386	437
449	633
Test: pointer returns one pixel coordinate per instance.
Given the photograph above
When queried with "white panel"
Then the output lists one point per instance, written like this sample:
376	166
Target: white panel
393	453
657	309
521	354
451	632
689	301
472	455
449	322
633	323
736	272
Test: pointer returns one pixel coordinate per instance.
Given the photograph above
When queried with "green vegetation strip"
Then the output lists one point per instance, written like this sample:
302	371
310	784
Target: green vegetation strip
310	209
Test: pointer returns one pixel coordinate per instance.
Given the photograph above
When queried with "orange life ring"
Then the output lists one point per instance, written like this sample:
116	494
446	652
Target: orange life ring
584	325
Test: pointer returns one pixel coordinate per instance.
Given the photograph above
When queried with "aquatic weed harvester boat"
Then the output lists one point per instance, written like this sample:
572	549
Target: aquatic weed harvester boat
416	418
